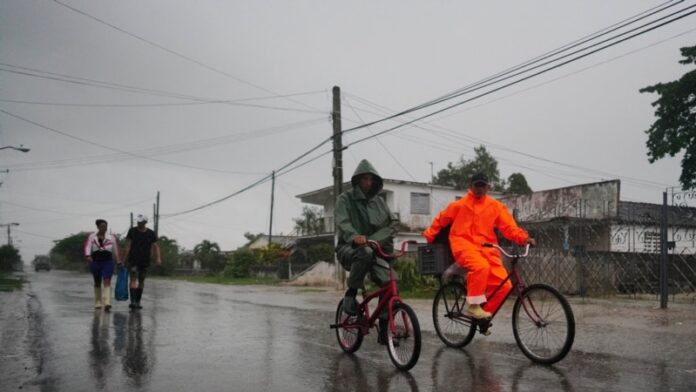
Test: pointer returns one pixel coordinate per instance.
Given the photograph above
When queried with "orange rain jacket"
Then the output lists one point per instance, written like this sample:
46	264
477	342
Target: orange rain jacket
472	223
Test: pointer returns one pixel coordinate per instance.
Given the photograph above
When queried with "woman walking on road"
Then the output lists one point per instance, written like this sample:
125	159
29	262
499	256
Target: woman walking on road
101	250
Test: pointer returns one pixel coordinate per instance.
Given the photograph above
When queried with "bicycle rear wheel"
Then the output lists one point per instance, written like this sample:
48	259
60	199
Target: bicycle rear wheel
451	326
543	324
347	330
404	337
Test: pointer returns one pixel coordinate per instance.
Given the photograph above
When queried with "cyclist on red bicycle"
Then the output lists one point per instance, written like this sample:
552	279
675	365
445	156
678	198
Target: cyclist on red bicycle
362	215
473	219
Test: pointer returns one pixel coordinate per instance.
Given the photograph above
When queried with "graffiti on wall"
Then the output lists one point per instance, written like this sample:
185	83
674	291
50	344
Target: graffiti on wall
588	201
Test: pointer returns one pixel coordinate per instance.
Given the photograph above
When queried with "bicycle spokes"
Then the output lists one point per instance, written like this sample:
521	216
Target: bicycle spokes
403	337
543	324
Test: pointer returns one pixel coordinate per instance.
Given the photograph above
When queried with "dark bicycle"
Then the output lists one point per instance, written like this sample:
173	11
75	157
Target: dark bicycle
542	319
404	335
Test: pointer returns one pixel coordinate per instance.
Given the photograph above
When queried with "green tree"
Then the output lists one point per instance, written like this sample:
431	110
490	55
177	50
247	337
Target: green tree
311	221
169	251
67	252
251	237
675	127
209	255
9	256
517	185
457	175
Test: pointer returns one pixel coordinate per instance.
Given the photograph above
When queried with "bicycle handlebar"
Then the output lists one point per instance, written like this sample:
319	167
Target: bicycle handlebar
378	248
490	245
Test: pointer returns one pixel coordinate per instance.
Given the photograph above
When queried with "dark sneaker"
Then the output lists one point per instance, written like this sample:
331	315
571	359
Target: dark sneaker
350	305
107	308
131	305
138	306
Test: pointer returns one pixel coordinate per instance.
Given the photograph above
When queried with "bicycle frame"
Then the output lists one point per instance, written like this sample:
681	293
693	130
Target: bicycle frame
389	294
518	285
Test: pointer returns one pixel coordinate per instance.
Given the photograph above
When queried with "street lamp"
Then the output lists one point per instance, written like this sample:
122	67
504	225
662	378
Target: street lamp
20	148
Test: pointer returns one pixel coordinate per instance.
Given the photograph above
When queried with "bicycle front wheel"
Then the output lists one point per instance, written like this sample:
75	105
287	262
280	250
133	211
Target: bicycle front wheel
347	331
404	337
543	324
451	326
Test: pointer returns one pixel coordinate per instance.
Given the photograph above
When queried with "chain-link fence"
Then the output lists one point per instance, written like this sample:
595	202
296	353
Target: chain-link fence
619	255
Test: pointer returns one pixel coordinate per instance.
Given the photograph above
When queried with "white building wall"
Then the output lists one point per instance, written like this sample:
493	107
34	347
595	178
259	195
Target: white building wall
646	239
400	197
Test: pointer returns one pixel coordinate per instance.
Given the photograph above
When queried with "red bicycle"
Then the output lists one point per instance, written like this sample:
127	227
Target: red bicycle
404	335
542	319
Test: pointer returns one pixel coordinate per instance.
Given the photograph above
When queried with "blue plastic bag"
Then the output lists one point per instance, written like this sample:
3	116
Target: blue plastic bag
121	291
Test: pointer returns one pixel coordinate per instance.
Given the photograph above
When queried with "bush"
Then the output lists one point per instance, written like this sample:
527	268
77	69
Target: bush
9	255
239	265
320	252
269	255
409	277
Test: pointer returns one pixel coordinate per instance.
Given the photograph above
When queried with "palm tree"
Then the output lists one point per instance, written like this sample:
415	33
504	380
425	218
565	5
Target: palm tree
209	255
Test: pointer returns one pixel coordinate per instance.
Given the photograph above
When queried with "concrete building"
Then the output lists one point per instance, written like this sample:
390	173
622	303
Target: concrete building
415	204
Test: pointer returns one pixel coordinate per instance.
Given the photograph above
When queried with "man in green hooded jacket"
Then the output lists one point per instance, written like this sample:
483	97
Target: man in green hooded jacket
362	215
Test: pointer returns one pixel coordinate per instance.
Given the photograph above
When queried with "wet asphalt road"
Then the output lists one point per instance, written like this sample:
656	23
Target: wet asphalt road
203	337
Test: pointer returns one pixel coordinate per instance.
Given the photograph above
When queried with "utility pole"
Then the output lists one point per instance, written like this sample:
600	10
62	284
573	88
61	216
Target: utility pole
156	217
9	232
270	225
337	171
664	258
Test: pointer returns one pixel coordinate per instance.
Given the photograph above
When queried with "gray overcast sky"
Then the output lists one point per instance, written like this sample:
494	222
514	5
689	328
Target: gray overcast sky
104	152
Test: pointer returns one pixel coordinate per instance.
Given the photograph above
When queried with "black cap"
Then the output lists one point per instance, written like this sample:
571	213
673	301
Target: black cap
479	178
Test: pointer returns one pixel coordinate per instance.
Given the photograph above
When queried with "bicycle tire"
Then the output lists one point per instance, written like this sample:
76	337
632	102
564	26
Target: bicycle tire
543	324
349	339
451	326
404	337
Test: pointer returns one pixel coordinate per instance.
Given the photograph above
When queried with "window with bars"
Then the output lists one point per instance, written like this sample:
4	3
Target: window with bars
420	203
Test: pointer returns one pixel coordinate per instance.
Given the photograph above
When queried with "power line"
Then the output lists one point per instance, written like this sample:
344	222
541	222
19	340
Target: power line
42	74
497	77
453	136
175	148
289	166
523	78
175	53
86	141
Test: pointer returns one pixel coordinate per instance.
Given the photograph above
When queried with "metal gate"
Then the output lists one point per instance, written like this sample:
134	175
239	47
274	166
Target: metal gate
679	244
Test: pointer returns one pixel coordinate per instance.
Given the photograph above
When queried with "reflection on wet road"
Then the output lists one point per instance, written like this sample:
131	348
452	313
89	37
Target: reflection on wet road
192	337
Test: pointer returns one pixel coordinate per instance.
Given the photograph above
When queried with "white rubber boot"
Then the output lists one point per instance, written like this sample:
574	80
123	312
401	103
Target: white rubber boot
97	298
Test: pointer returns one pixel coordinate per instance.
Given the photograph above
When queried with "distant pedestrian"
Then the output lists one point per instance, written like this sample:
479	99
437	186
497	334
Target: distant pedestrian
101	250
139	242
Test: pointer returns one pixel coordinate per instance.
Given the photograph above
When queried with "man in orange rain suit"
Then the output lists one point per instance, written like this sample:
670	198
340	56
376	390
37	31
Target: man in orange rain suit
472	219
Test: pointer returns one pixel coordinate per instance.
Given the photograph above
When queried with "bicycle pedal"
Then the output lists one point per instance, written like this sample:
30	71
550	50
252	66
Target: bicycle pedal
484	327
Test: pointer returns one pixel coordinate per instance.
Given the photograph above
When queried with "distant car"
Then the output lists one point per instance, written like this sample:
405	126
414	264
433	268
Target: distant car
42	263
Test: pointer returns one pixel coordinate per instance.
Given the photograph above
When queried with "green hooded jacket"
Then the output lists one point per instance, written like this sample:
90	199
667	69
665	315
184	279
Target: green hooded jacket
360	214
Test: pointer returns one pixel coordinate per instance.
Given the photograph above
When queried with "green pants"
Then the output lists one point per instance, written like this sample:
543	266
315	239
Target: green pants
359	261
